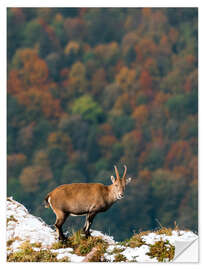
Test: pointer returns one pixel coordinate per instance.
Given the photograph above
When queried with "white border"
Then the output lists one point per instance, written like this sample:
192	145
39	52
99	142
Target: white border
100	3
78	3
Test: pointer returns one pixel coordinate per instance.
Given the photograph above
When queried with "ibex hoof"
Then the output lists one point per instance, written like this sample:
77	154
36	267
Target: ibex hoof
63	239
87	234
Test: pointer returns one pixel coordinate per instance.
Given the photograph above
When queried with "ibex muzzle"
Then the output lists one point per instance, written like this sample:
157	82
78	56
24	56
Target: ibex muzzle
85	199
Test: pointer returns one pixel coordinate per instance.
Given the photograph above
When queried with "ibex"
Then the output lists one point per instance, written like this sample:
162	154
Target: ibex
84	199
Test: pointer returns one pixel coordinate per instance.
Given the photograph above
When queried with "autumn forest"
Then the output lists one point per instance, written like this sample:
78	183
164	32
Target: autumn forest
89	88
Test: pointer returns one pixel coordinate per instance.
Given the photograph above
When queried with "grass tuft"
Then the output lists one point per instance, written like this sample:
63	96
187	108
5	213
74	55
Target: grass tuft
26	253
162	250
119	258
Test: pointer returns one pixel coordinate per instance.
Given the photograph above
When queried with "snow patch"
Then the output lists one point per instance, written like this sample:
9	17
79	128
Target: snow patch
152	238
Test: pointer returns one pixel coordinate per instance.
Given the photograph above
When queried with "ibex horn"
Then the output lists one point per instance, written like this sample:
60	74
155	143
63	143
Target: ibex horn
124	171
116	171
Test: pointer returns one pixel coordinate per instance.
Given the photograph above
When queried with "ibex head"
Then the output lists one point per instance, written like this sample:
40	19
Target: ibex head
120	183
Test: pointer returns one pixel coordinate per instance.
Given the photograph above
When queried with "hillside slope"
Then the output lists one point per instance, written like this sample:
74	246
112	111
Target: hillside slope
29	238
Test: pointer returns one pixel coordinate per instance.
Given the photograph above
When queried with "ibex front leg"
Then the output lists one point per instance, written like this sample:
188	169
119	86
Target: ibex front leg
88	223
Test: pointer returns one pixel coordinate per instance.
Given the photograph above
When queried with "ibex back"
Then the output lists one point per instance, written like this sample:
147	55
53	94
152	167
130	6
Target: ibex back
84	199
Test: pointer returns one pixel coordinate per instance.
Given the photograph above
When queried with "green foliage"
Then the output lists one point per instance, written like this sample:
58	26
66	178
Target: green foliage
181	105
31	33
92	87
87	108
121	124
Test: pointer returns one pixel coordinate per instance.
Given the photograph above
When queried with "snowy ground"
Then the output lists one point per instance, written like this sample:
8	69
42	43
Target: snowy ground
22	226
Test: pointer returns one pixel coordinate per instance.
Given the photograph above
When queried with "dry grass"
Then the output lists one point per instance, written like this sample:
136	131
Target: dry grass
119	258
26	253
11	218
82	245
135	240
162	250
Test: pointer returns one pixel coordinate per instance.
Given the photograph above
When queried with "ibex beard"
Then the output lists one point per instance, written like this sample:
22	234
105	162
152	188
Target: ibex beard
85	199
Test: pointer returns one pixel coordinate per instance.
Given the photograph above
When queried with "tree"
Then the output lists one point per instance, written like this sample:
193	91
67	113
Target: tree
101	27
107	54
141	115
132	143
25	138
15	33
77	83
60	140
121	124
168	189
33	176
15	162
106	140
75	28
128	47
179	153
87	108
126	78
98	82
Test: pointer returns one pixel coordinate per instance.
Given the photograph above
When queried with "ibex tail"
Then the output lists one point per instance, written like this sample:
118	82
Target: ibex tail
46	202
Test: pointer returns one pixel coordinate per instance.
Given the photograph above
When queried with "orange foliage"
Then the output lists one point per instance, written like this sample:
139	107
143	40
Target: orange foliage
25	135
173	35
107	141
160	98
72	47
150	64
64	73
33	71
134	136
145	175
50	32
142	157
188	85
146	12
15	160
19	15
190	59
98	81
106	51
38	72
141	114
77	82
180	153
75	28
193	167
15	84
144	49
61	140
123	103
32	176
37	100
41	158
126	78
145	80
106	129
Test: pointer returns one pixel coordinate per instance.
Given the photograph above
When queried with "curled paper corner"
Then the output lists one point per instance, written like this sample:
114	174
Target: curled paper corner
186	251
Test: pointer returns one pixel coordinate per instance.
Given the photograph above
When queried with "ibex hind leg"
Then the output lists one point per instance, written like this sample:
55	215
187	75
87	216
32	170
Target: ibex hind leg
88	223
60	219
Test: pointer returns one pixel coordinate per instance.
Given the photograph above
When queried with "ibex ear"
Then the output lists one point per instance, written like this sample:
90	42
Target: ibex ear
128	180
113	179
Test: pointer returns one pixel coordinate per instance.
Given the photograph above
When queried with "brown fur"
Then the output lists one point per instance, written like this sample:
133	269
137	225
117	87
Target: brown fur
83	199
75	199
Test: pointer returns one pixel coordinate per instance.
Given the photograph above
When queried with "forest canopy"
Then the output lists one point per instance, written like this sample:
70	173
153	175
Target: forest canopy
92	87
